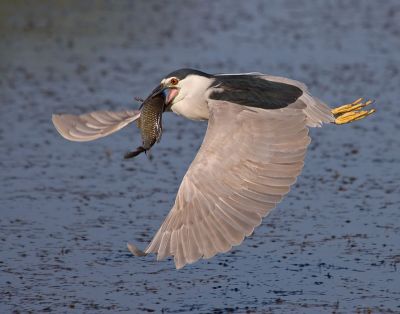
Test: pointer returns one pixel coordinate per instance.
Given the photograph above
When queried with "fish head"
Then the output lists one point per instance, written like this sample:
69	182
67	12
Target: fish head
168	89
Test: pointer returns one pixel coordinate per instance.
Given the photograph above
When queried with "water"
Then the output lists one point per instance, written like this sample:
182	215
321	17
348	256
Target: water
68	209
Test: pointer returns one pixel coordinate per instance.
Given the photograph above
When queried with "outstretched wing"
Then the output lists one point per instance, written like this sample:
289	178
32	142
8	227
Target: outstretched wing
270	92
93	125
248	160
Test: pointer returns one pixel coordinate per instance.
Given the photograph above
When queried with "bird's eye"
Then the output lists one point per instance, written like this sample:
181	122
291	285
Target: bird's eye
174	81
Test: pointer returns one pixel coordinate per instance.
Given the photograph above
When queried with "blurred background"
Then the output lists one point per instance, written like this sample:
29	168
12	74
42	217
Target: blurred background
68	209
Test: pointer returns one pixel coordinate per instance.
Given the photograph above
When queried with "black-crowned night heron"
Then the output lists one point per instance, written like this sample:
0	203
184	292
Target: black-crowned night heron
253	150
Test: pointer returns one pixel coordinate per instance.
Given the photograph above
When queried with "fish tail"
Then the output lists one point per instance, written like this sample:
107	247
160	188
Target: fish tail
136	152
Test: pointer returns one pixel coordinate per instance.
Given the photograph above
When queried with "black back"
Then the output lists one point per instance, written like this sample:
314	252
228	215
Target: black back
253	91
182	73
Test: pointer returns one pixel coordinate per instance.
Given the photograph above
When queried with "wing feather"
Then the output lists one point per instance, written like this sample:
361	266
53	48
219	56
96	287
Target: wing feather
93	125
317	112
248	160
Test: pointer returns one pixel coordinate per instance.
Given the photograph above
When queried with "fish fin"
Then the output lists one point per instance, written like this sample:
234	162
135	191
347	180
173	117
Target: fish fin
139	99
149	154
159	130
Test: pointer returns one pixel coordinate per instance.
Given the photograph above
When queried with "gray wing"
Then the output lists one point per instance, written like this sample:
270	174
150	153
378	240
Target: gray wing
269	92
93	125
248	160
317	111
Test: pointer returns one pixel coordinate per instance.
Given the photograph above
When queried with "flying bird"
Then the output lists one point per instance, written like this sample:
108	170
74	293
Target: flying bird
252	152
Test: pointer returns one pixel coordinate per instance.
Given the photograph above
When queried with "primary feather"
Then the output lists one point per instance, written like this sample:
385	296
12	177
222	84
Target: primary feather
93	125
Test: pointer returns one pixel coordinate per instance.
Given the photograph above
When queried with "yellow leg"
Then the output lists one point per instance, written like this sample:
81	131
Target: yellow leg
351	112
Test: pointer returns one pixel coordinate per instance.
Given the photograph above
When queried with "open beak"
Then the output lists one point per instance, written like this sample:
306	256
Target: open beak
169	93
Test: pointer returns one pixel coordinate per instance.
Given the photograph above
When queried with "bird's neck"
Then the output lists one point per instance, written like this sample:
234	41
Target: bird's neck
193	103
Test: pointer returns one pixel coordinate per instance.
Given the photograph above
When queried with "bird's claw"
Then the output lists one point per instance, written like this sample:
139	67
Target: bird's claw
351	112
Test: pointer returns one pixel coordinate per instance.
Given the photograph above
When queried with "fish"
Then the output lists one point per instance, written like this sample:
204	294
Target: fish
150	124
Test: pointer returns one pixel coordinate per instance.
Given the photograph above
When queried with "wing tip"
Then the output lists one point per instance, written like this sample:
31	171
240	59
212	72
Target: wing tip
55	119
62	128
135	250
57	122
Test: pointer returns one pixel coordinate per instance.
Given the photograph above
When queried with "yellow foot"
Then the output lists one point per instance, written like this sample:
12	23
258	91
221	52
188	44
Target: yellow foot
351	112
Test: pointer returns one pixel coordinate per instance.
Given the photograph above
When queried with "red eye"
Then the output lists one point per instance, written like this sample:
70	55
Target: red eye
174	81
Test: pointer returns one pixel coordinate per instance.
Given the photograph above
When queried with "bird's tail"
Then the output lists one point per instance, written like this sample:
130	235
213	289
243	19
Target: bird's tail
352	112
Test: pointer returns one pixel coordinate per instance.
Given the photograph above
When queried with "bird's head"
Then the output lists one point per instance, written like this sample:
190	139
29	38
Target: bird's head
179	84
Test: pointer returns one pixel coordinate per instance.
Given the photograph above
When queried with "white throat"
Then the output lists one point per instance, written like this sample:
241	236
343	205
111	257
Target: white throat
191	101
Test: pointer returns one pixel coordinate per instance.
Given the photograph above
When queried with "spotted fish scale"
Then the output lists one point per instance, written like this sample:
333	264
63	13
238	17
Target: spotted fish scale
150	124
